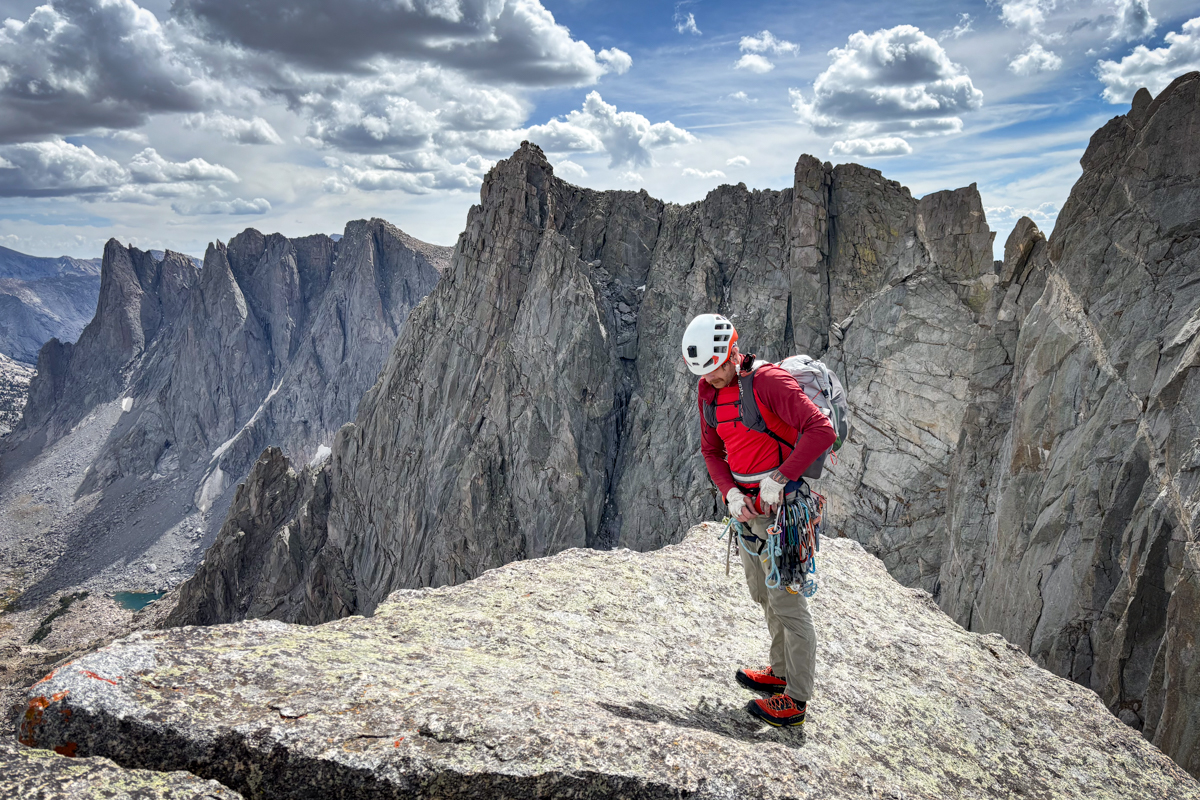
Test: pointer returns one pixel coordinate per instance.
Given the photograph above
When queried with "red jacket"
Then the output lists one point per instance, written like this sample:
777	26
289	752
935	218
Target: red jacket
788	412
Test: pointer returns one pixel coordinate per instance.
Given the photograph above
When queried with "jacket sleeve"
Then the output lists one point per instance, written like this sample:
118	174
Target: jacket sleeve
779	392
713	449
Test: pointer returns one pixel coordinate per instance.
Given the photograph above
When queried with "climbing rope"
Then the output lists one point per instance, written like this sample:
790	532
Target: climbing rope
789	554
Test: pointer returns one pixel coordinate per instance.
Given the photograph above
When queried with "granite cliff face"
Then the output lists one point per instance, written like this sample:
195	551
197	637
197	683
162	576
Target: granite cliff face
273	341
1083	550
537	401
599	674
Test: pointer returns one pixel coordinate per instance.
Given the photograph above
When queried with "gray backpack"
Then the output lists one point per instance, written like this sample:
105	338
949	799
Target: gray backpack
826	392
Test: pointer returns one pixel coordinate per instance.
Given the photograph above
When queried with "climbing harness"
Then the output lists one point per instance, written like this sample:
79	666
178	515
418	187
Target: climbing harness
789	553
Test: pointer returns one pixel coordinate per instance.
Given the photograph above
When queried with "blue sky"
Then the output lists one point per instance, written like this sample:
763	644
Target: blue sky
171	125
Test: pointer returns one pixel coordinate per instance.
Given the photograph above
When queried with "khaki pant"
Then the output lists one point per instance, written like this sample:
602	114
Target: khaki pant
793	638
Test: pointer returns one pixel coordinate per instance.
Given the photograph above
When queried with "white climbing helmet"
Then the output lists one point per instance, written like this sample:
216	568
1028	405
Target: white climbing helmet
706	343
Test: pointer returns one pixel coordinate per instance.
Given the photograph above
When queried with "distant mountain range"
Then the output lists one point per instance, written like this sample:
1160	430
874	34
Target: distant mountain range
46	298
187	372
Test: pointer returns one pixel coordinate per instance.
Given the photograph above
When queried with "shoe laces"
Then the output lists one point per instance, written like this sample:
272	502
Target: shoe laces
783	702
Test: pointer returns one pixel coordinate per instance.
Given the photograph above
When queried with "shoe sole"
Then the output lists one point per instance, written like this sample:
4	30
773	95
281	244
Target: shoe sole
754	685
754	711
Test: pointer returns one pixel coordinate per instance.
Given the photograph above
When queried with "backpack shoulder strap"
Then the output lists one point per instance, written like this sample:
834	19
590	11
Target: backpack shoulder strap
708	411
751	416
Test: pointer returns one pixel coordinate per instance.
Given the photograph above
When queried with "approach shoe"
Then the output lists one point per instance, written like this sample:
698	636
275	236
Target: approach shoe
761	680
780	711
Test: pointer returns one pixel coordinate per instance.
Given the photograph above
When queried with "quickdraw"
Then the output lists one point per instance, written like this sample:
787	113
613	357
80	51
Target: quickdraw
793	541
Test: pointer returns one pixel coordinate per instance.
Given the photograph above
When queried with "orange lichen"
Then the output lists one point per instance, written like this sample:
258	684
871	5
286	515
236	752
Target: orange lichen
67	749
48	677
87	673
33	718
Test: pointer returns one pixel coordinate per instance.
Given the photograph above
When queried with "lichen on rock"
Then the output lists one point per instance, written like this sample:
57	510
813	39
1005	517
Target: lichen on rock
597	674
31	773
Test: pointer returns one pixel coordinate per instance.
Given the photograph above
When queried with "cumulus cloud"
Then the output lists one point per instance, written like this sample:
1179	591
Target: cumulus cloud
897	81
1133	20
686	23
76	65
149	167
632	177
692	172
738	161
754	63
570	170
371	122
1044	214
237	206
429	83
513	41
753	48
418	173
881	146
767	42
408	110
1035	59
334	186
234	129
56	168
616	60
1026	15
1029	17
627	137
742	97
1153	69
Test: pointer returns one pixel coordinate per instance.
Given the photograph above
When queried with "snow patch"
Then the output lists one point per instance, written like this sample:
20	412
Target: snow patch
323	453
224	447
127	404
211	489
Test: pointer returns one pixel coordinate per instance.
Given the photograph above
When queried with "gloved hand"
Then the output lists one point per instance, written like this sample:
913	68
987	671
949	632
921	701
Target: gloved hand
770	490
739	507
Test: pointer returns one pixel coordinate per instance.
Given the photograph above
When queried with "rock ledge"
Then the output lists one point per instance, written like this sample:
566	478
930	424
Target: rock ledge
599	674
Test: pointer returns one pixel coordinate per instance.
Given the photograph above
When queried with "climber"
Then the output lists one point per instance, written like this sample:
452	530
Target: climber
754	471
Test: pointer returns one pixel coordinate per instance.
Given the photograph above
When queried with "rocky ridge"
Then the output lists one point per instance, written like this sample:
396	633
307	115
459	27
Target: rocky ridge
194	371
537	398
443	692
43	299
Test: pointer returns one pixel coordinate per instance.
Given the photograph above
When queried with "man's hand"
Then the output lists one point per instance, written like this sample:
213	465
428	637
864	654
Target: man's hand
739	508
770	489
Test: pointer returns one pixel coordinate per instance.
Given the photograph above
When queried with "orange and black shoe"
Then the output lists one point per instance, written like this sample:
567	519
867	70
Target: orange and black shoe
761	680
780	711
